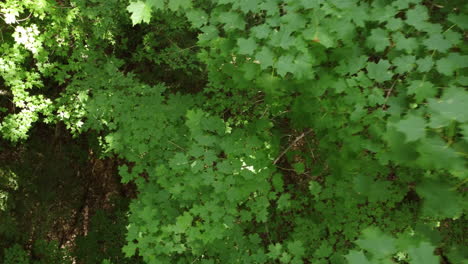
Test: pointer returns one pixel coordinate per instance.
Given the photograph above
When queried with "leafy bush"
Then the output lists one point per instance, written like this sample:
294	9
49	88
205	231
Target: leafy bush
260	131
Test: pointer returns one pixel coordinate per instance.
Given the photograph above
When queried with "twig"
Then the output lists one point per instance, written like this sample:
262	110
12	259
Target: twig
390	91
290	145
285	168
176	145
23	19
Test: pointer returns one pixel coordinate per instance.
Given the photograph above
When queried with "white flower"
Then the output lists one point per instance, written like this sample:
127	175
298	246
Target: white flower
10	18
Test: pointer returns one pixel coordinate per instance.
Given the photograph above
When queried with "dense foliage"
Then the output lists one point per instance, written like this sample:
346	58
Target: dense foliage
256	131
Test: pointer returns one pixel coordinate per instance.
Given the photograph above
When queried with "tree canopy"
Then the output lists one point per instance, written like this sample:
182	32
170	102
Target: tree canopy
251	131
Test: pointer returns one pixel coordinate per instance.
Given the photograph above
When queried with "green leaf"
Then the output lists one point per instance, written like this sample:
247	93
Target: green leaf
232	21
437	42
293	21
319	35
183	222
303	69
461	20
422	90
266	57
246	46
394	24
451	63
315	188
452	105
296	248
213	124
208	33
435	153
129	249
194	118
379	71
284	201
464	129
454	37
197	17
285	64
357	257
414	127
404	63
439	199
261	31
140	12
417	17
175	5
376	242
281	38
179	160
299	167
423	254
158	4
378	39
425	64
402	43
247	6
275	250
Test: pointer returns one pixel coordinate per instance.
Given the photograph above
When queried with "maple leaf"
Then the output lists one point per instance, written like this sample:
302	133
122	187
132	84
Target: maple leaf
248	5
157	4
437	42
374	241
401	4
304	68
271	8
422	90
315	188
435	153
293	21
423	254
282	38
129	249
359	14
197	17
140	12
451	63
404	63
357	257
378	39
209	32
285	64
261	31
183	222
275	250
403	43
232	20
439	199
394	24
417	17
379	71
425	64
175	5
266	57
460	20
246	46
284	201
453	37
319	35
452	105
414	127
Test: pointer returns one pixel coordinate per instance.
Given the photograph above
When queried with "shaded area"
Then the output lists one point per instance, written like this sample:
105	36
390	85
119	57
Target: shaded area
62	199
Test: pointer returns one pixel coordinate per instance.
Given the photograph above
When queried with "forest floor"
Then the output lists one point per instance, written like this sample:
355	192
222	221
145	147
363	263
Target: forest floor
60	184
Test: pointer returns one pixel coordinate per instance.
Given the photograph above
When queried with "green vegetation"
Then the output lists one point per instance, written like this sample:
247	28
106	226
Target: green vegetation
233	131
